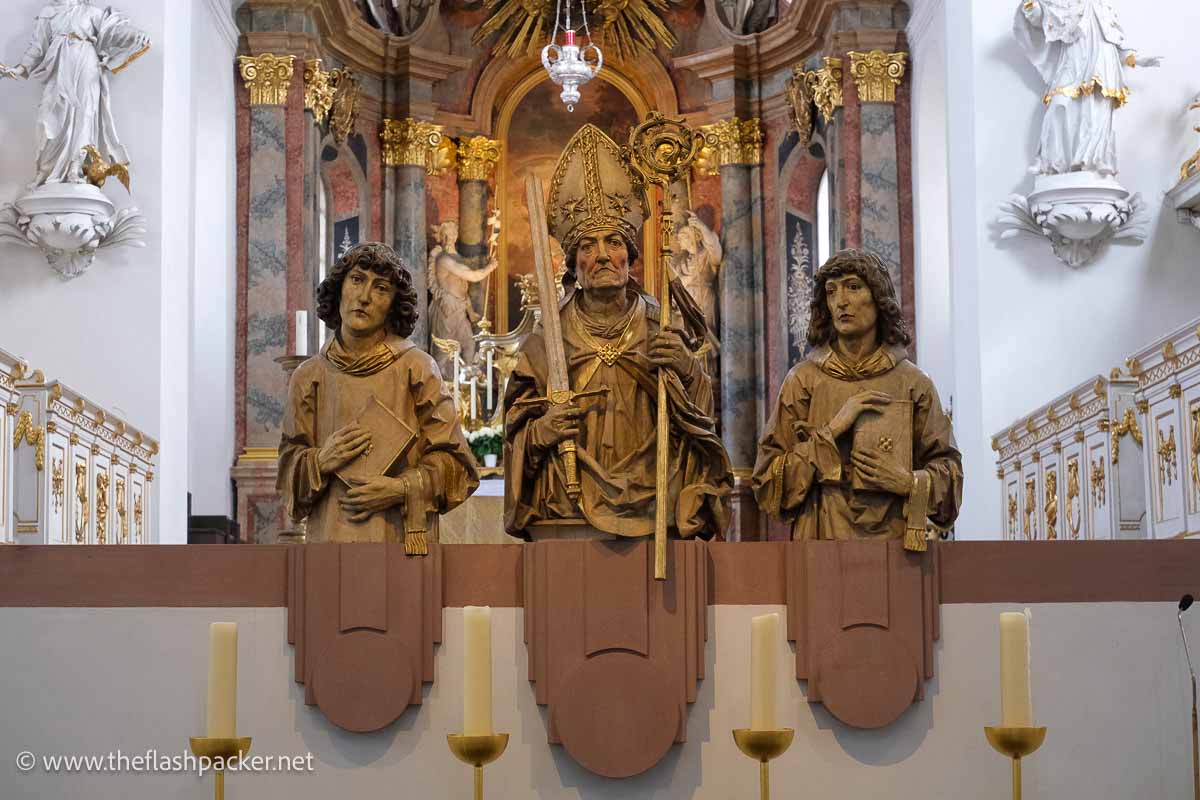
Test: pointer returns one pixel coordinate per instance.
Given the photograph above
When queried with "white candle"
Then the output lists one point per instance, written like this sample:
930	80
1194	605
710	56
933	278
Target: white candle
474	397
764	671
222	680
477	671
457	393
301	333
489	378
1016	702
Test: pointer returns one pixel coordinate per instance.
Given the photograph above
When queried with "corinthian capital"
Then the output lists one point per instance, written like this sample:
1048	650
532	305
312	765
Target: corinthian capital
730	142
477	157
877	74
411	142
267	78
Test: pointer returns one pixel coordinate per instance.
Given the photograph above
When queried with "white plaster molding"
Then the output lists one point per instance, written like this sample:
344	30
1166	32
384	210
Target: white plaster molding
222	17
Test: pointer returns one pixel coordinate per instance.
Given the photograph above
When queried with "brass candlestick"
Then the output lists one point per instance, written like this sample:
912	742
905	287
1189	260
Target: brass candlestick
1016	743
763	746
477	751
223	748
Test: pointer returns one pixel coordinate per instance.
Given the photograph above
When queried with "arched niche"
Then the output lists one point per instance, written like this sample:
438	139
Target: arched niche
532	125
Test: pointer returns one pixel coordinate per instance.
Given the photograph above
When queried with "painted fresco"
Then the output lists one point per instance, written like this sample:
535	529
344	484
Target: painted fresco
540	128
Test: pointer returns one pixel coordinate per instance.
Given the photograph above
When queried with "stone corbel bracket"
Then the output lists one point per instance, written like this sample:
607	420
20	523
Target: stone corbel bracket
615	654
864	616
364	619
1185	197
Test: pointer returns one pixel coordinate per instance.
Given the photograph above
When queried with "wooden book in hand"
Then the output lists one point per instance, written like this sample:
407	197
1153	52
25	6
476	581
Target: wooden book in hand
391	438
886	430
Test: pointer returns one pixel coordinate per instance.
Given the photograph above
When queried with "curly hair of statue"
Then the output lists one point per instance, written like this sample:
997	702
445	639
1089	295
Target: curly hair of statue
892	329
380	259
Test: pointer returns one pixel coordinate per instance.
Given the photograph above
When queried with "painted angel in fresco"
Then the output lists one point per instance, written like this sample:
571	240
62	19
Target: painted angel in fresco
1079	48
697	261
451	315
75	48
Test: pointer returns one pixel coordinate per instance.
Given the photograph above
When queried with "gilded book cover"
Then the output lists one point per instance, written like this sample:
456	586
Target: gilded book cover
888	431
391	438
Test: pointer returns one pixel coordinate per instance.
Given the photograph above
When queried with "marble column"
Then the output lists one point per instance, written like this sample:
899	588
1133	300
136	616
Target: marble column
737	147
409	146
477	158
270	176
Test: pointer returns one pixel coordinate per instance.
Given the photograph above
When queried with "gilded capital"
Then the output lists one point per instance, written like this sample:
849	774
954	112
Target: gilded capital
730	142
877	74
318	90
411	142
267	77
477	157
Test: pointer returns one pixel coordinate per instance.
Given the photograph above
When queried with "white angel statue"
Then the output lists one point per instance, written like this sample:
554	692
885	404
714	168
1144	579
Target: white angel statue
1079	48
74	49
697	261
451	315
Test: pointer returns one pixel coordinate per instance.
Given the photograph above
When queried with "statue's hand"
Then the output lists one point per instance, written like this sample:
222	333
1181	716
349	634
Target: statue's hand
1150	61
863	401
491	265
13	72
883	474
370	496
667	351
343	446
561	421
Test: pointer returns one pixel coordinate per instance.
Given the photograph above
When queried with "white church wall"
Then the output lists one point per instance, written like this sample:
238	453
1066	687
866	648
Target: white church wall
211	413
1033	326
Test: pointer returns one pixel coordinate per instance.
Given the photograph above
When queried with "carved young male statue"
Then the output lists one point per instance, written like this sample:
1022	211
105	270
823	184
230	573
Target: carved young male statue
369	301
614	342
811	459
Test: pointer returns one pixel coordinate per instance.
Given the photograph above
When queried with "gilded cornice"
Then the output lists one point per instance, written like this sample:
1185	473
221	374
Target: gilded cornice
477	157
877	74
730	142
411	142
267	77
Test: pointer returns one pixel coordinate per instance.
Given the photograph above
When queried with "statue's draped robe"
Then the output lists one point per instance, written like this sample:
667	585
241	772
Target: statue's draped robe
803	475
617	442
450	311
323	398
72	51
1078	48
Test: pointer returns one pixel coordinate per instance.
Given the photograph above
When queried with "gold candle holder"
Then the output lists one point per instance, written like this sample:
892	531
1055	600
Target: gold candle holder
477	751
1016	743
223	748
763	746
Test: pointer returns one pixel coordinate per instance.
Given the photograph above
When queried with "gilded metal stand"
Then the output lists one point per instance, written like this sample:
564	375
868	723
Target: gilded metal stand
477	751
222	748
1016	743
763	746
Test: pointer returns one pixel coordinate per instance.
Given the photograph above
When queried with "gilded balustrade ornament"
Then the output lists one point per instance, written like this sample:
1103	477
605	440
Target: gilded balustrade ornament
1074	504
137	518
733	142
1196	456
1168	459
1051	505
102	483
1030	507
81	503
1012	514
267	77
1128	424
318	90
344	111
477	157
121	511
57	484
33	435
877	74
411	143
1097	480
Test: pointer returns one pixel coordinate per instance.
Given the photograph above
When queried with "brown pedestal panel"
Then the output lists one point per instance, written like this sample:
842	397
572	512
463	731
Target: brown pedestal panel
864	617
364	619
615	654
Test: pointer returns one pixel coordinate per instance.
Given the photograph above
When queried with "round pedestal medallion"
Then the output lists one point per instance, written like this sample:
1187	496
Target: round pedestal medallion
363	681
617	714
867	677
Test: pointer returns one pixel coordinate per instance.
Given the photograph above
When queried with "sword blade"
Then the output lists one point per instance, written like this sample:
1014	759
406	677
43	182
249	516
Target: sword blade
543	265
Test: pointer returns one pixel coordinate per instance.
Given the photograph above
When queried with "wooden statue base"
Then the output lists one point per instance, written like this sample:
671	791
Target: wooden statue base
364	619
615	654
